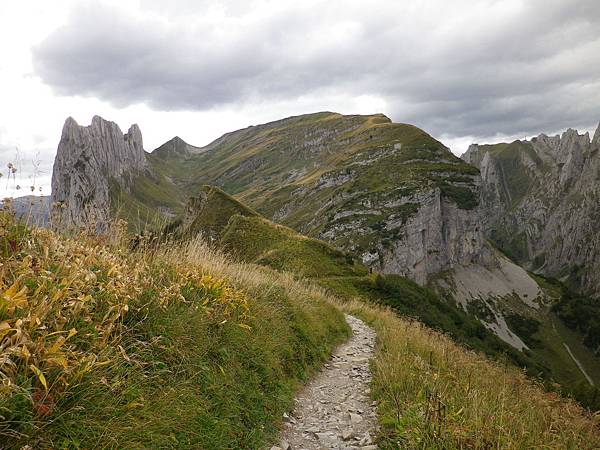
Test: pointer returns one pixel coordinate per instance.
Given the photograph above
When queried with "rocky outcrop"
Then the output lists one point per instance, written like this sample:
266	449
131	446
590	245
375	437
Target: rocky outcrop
87	161
440	236
387	192
541	199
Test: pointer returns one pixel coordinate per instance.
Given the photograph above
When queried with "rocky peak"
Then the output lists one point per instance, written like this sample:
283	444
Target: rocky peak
176	147
87	159
545	215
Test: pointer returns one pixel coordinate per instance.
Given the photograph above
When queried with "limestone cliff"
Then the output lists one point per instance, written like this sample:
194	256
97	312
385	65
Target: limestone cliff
88	159
541	199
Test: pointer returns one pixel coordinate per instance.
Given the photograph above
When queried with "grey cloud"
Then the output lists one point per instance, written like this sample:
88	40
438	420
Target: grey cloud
454	68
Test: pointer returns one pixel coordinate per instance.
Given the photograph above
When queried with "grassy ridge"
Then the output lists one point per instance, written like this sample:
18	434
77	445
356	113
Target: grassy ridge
253	239
181	347
260	241
165	348
308	172
424	402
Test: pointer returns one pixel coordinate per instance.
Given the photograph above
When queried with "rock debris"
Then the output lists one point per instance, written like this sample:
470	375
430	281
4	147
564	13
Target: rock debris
334	411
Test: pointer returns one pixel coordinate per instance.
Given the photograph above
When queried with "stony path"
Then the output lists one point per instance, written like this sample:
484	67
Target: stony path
334	410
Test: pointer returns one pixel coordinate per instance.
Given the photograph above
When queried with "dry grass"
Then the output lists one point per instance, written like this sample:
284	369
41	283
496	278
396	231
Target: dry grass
433	393
102	346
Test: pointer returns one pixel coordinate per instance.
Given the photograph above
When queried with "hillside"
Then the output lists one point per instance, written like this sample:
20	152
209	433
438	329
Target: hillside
389	194
102	347
251	238
183	347
385	197
362	183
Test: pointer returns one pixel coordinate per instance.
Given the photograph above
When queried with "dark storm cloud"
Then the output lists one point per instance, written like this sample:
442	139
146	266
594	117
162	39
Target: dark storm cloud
455	68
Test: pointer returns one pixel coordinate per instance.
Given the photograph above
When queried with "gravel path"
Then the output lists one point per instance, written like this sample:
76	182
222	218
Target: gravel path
334	410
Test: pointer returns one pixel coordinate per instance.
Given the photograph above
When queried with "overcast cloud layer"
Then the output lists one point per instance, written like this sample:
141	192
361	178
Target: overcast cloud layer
465	71
454	68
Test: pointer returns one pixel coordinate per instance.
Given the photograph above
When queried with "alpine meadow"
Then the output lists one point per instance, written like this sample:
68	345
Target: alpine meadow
420	270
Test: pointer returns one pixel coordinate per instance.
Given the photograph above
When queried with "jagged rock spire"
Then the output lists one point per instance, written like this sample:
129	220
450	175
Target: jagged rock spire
86	160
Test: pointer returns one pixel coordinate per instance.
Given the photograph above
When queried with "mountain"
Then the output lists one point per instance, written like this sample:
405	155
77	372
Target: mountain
333	197
387	192
539	198
250	237
526	332
179	346
98	170
32	209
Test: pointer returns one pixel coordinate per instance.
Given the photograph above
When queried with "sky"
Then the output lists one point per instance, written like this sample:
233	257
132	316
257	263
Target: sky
464	71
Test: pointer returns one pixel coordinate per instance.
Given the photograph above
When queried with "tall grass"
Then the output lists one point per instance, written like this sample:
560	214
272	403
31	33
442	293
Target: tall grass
101	346
434	394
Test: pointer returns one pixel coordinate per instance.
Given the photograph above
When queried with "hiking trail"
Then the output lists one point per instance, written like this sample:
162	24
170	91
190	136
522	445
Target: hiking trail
334	409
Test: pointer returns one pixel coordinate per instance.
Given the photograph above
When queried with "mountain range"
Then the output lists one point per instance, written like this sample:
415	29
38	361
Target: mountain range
502	237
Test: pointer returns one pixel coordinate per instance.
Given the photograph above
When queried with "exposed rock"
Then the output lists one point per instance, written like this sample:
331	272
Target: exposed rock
540	199
87	159
334	410
33	209
438	237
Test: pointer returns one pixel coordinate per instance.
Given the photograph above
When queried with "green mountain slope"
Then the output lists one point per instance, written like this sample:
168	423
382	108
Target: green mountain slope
353	181
252	238
179	346
365	194
104	347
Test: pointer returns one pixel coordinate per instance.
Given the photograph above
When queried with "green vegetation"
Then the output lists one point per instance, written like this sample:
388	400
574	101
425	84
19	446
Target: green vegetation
512	244
289	169
210	212
257	240
433	394
180	346
166	348
253	239
464	197
515	178
582	314
408	299
525	327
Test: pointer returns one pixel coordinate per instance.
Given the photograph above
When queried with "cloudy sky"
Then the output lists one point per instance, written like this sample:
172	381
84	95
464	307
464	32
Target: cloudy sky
464	71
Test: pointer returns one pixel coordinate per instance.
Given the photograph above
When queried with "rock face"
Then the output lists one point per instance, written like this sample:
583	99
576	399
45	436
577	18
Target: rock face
87	160
540	200
440	236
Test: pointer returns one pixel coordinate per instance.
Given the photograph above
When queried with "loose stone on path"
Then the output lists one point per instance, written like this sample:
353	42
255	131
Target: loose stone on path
334	411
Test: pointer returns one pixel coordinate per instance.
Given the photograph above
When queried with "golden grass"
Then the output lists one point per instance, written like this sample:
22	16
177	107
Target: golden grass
48	284
65	303
163	346
433	393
